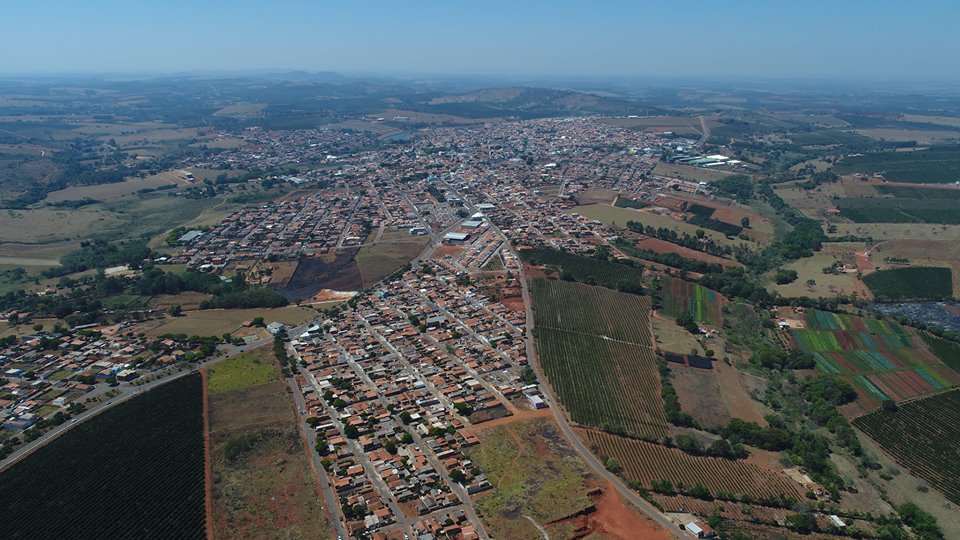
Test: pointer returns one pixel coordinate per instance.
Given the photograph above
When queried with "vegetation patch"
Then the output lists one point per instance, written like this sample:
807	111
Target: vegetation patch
255	367
919	282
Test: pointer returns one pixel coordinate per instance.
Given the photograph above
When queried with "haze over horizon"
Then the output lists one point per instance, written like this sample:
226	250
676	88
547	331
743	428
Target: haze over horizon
884	40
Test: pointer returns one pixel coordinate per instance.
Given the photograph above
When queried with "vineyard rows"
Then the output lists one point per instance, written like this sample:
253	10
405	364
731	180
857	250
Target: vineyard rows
134	471
591	310
923	436
646	463
604	384
911	283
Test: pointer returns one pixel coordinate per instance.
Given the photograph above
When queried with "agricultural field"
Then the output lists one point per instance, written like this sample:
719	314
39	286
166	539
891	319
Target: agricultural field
679	296
104	192
263	484
881	359
657	124
594	346
689	172
934	165
918	282
922	436
378	261
646	463
898	231
947	351
662	246
887	210
586	269
79	487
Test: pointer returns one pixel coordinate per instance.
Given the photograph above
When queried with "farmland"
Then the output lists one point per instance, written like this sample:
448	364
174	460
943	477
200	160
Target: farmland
646	463
911	283
147	483
680	296
947	351
587	269
597	356
881	359
44	226
936	165
885	210
922	436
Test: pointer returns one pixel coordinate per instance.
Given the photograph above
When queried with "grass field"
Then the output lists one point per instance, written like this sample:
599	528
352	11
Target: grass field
899	231
44	226
104	192
127	484
825	286
215	322
263	484
618	217
533	472
378	261
689	172
921	436
255	367
594	346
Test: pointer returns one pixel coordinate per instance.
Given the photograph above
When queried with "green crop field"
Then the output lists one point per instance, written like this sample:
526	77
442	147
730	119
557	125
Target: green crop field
587	269
935	165
911	283
134	471
947	351
680	296
923	436
594	346
883	360
885	210
910	192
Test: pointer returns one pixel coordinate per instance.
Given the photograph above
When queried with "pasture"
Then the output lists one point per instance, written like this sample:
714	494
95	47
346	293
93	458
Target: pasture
103	192
825	285
47	226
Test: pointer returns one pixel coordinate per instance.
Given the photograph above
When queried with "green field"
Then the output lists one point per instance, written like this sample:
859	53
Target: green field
923	436
885	210
935	165
254	367
134	471
594	346
587	270
947	351
918	282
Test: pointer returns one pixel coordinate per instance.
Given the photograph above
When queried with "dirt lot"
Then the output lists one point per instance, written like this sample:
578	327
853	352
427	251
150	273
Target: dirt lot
378	261
263	486
338	272
661	246
699	395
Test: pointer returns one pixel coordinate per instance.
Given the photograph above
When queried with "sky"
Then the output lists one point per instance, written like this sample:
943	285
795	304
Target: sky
840	39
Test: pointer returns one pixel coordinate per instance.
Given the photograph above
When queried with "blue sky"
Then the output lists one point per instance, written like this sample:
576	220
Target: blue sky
846	39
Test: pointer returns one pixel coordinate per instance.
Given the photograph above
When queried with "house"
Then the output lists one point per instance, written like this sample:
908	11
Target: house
276	327
700	530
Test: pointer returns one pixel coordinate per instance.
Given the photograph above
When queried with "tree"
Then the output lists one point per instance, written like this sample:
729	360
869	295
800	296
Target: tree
745	222
783	276
258	322
175	310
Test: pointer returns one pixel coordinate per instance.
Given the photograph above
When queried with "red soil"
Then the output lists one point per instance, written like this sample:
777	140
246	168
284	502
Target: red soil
661	246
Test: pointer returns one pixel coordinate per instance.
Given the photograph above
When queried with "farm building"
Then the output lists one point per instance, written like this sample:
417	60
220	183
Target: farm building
456	238
189	236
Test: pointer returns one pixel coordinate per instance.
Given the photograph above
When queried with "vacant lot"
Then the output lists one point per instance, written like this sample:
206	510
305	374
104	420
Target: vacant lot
263	486
699	395
534	473
43	226
378	261
255	367
215	322
689	172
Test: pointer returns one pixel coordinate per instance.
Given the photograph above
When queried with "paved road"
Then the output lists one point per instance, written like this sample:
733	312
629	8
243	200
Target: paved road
585	453
329	495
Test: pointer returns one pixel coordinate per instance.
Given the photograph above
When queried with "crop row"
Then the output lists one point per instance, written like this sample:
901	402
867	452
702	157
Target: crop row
911	283
134	471
591	310
646	463
681	296
923	436
826	320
